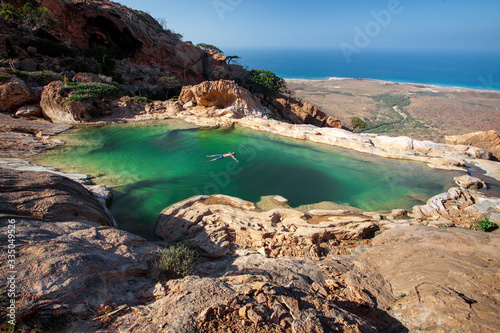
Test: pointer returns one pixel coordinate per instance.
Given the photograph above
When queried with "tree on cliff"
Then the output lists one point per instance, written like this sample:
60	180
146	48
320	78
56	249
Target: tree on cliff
209	47
268	80
231	58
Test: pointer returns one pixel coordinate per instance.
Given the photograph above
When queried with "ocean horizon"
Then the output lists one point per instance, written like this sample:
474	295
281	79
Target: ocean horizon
447	68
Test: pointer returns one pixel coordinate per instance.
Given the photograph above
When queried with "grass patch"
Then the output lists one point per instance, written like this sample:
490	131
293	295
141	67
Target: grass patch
41	78
429	93
85	91
391	100
485	225
177	261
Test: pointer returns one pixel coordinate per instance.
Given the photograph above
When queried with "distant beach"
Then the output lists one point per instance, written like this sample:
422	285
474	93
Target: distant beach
460	69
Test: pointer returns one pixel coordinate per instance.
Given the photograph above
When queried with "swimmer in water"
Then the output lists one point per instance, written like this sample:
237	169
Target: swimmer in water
221	156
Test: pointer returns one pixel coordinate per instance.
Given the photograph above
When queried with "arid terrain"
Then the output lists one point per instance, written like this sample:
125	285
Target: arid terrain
432	113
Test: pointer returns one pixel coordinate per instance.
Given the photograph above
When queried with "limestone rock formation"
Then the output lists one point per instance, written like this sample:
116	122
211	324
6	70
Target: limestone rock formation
29	111
220	94
489	140
24	138
299	112
46	196
220	225
13	94
444	279
57	106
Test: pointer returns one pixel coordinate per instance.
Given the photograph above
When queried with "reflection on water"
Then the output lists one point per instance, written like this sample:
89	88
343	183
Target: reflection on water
150	167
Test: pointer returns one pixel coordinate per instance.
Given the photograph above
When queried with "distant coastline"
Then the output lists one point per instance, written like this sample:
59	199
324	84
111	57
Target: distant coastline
452	69
419	84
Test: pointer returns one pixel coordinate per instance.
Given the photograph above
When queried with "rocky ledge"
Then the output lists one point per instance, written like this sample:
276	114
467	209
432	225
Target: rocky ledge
278	270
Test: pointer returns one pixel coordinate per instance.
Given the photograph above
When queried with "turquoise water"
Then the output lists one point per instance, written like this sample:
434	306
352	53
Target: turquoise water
469	69
150	167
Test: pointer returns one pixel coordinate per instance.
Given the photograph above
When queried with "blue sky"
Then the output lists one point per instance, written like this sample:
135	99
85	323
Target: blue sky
421	24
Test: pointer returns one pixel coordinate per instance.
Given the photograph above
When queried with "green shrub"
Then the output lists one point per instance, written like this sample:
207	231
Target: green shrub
177	260
27	15
208	47
10	12
268	80
401	296
41	78
85	91
357	122
485	225
4	78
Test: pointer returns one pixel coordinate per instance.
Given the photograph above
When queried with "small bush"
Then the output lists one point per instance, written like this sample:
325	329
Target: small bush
177	260
4	78
209	47
401	296
485	225
41	78
357	122
85	91
268	80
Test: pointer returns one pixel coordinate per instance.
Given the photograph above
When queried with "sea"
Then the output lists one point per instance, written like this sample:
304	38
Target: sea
449	68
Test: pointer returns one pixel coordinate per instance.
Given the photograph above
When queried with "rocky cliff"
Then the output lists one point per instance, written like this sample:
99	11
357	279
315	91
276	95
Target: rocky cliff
103	41
264	271
102	34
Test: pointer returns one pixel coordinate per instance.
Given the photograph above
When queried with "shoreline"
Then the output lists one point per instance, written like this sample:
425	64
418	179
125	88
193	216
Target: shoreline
382	81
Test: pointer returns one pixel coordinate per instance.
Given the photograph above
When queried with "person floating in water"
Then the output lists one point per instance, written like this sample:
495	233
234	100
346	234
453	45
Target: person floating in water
221	156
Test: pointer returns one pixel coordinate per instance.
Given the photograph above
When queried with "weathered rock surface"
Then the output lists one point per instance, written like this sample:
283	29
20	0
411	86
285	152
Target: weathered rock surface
299	112
46	196
57	106
23	138
272	269
14	94
220	225
135	37
29	111
446	279
436	155
222	94
68	258
489	140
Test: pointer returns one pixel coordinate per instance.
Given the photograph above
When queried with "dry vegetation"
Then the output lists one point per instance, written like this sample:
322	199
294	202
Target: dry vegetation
433	112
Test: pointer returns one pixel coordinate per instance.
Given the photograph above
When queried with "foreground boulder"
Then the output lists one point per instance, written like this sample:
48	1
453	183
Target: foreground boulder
58	107
69	258
220	225
445	279
47	196
489	140
13	94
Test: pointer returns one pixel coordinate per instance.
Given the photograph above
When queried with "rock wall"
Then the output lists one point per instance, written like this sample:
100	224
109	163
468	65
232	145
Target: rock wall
487	140
227	94
131	35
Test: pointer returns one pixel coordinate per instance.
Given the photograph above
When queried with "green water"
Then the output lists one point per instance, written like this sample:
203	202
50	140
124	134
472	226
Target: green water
151	166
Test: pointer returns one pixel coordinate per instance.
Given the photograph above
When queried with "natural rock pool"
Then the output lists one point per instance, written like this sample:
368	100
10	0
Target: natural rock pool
151	166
